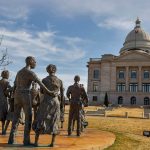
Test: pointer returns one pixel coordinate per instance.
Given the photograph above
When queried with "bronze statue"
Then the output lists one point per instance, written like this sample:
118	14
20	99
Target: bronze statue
77	95
35	96
4	94
84	123
48	115
62	109
22	99
10	114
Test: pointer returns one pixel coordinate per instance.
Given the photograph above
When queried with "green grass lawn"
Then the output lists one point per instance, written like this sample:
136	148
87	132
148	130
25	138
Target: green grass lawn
124	142
129	132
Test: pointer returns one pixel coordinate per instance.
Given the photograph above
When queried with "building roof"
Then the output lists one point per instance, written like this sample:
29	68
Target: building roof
137	39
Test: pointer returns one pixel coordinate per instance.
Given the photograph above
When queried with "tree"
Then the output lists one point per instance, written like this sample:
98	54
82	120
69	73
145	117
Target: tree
106	102
4	59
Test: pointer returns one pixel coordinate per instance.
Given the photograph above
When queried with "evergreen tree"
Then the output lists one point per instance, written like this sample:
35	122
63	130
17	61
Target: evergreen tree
106	102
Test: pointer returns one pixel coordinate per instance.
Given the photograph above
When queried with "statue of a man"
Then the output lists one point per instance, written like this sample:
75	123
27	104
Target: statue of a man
76	94
22	99
4	94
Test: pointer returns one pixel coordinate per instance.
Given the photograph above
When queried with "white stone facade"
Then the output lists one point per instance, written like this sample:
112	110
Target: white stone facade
125	78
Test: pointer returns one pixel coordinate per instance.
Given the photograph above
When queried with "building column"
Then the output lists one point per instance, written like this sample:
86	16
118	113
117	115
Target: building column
113	77
140	79
127	78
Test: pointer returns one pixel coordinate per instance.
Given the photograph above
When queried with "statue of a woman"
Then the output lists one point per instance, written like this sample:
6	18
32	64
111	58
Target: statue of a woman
48	114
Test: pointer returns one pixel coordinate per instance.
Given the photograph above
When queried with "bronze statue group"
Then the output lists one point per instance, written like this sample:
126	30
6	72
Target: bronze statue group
48	109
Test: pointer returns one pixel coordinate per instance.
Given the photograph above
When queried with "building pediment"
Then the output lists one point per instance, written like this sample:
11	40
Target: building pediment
134	56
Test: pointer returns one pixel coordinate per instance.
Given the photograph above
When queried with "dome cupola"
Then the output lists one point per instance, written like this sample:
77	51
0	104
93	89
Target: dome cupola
137	39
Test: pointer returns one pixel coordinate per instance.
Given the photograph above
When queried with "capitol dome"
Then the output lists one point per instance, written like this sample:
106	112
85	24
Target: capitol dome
137	39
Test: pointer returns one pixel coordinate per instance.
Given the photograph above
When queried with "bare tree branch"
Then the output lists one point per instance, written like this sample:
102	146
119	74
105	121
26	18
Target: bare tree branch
1	38
4	60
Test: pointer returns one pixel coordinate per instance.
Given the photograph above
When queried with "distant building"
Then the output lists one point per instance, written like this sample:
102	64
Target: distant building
125	78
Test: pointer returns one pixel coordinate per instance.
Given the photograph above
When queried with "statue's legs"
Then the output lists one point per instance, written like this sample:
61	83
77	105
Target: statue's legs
28	119
35	111
3	124
62	124
15	122
53	140
62	117
73	124
82	121
78	122
82	129
6	126
36	139
70	121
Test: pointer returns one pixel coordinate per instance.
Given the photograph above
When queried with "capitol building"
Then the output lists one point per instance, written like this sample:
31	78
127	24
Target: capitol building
125	78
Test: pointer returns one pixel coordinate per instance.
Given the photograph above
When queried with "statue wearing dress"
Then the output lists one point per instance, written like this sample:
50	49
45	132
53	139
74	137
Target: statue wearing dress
48	114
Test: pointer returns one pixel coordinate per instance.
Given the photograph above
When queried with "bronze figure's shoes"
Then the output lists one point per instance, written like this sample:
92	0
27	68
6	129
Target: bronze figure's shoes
28	144
78	133
3	132
69	133
10	141
36	144
51	145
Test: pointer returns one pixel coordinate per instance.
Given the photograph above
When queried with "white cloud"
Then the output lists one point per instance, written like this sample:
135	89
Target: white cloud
100	11
43	44
14	10
73	8
116	23
110	14
99	7
6	22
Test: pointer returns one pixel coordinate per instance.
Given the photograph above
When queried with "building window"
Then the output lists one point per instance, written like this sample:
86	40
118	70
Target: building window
133	100
96	74
95	87
146	101
133	87
146	74
94	98
121	87
120	100
146	87
121	74
133	74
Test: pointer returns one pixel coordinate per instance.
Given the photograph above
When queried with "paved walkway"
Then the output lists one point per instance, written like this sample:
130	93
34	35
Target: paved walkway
91	139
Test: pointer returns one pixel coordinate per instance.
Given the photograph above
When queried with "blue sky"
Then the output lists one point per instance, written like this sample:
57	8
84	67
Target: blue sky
67	32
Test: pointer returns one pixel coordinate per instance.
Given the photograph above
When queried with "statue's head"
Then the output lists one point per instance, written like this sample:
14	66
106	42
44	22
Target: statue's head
5	74
51	68
77	78
30	61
